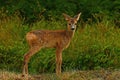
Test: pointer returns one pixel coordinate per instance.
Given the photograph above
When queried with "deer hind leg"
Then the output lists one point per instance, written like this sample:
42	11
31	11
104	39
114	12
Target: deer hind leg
27	57
58	61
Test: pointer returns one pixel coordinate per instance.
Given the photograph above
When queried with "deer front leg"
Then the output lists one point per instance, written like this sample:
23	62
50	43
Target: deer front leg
58	61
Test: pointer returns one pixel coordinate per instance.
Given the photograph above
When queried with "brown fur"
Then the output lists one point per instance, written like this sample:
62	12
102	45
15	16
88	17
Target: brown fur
59	39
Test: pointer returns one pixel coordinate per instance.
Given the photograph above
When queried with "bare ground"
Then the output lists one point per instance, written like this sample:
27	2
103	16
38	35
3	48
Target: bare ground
73	75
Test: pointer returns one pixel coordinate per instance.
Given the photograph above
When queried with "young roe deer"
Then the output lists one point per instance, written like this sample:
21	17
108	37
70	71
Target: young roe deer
59	39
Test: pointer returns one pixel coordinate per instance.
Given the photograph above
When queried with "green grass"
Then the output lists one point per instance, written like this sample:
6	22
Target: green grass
94	46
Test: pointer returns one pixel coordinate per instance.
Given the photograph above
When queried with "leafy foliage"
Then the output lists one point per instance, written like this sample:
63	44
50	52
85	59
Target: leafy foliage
33	11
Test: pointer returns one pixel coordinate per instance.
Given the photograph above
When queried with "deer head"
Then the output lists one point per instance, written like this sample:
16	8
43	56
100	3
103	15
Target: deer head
71	22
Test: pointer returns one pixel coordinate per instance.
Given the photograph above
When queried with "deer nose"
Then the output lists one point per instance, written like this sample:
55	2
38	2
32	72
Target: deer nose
72	27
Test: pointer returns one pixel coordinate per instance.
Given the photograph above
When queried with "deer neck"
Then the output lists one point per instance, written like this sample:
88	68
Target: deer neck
70	33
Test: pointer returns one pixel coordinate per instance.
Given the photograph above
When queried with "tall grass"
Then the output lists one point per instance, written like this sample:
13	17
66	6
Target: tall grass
94	46
97	46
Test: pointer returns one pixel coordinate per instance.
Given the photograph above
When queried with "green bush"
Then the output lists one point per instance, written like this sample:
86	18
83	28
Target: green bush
32	11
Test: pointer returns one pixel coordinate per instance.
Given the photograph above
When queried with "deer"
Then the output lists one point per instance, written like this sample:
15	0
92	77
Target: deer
58	39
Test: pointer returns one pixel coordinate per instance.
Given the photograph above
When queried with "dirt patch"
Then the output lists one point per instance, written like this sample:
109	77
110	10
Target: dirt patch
72	75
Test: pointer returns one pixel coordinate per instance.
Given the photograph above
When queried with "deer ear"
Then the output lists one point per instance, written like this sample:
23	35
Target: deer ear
67	17
77	17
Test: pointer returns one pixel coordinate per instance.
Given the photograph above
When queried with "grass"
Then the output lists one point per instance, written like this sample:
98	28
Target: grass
71	75
93	47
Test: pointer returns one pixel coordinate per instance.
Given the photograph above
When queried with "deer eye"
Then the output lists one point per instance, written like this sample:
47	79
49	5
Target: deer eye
69	24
